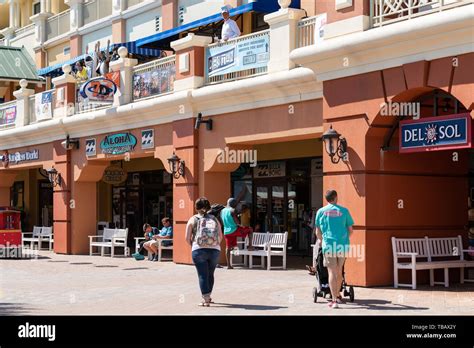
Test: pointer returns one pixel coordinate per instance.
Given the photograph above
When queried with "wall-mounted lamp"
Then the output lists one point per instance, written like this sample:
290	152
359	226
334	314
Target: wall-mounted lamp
335	145
70	144
54	177
199	120
176	166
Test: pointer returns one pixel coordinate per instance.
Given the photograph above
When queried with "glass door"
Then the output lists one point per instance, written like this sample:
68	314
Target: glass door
270	208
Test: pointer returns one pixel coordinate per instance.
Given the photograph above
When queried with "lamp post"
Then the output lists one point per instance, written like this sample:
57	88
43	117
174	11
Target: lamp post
176	166
54	177
335	145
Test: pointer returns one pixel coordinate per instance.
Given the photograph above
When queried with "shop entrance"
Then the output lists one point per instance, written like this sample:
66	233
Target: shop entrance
45	203
270	209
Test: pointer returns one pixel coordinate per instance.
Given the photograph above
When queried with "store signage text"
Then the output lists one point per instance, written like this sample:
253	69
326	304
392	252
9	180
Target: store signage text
18	157
114	175
436	133
270	170
117	144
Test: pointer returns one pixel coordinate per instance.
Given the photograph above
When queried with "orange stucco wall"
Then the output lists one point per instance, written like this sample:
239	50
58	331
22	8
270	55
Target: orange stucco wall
431	186
359	7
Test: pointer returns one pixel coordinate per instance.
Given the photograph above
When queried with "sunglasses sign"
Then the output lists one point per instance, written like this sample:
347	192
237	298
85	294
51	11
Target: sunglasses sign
101	88
436	133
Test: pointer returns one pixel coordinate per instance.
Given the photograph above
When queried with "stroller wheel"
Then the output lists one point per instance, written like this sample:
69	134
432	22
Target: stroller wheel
315	295
351	294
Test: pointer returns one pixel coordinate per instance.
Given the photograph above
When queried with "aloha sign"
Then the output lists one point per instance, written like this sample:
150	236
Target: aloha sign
117	144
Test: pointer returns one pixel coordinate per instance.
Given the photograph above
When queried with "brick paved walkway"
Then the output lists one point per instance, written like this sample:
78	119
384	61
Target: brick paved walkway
64	284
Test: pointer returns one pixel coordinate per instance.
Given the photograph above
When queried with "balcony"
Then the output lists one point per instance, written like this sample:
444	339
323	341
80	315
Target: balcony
95	10
238	58
131	3
154	78
57	25
384	12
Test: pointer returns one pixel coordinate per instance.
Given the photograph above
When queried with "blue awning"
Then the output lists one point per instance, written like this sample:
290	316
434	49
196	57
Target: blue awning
51	70
132	48
164	38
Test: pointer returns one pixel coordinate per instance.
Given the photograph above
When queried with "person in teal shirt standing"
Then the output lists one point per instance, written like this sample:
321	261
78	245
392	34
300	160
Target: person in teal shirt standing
333	224
233	229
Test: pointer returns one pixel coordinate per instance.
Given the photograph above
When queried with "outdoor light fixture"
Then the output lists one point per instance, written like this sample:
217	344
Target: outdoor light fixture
54	177
199	120
335	145
70	144
176	166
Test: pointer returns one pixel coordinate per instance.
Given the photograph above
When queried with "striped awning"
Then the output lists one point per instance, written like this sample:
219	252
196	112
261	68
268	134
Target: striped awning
133	49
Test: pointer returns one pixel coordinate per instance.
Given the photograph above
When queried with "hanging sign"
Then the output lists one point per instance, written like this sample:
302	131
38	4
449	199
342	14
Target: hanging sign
114	175
436	133
270	169
44	106
117	144
101	88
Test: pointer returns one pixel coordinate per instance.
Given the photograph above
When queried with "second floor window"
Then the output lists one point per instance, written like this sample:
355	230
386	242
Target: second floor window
36	8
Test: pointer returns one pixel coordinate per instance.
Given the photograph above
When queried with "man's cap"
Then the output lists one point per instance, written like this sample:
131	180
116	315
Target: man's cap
225	9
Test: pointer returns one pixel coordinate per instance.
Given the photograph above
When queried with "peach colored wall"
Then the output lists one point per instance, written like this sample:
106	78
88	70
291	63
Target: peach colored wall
76	46
61	201
118	31
169	10
359	7
196	62
431	186
40	59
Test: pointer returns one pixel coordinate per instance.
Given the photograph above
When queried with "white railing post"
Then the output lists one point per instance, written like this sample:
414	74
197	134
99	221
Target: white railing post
283	37
75	15
125	66
23	104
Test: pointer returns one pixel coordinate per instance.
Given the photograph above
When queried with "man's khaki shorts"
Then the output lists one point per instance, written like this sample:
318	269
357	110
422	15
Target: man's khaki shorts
333	260
151	243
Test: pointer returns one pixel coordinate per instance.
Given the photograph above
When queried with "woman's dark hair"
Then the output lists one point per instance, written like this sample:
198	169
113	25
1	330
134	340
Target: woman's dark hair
202	204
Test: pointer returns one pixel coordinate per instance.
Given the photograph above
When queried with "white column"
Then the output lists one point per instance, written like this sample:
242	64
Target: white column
283	37
75	16
125	66
118	6
17	14
12	13
22	104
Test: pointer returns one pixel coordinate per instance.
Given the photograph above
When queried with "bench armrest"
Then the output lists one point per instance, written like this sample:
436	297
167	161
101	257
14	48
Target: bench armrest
118	239
92	237
139	238
407	254
26	233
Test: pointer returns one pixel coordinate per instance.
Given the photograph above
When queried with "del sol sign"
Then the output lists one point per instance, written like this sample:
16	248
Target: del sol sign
114	175
436	133
117	144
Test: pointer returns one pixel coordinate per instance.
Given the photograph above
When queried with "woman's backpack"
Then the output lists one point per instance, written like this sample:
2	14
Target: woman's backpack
206	231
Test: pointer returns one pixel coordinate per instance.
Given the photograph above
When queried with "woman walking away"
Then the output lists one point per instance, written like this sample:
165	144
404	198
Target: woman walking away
204	234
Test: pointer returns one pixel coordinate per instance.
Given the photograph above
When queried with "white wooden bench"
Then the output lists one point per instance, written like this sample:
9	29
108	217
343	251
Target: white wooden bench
266	245
111	238
46	235
35	237
161	247
419	254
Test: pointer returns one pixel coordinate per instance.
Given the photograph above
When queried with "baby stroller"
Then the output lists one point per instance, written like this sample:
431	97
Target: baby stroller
322	280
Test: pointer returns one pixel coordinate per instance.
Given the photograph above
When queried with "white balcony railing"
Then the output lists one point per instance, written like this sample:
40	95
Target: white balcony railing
385	12
8	113
41	110
307	32
96	9
27	29
131	3
242	57
57	25
154	78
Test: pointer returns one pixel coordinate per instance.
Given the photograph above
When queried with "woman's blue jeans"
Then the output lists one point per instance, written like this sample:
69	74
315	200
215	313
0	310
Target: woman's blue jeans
206	261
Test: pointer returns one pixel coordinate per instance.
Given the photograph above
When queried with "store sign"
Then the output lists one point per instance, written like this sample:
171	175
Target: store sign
270	170
101	88
114	175
148	139
435	133
117	144
317	166
91	147
26	156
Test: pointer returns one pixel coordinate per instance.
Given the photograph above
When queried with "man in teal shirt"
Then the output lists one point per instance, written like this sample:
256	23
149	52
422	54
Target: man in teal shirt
333	225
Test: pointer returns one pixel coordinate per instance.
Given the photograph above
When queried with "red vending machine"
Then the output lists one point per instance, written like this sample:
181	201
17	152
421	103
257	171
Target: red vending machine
10	232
